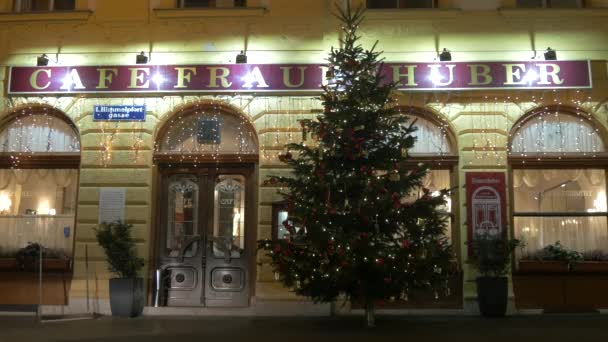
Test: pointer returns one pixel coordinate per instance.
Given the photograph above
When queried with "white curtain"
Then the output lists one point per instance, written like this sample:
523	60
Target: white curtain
561	191
430	138
16	232
20	177
556	132
579	233
38	133
5	178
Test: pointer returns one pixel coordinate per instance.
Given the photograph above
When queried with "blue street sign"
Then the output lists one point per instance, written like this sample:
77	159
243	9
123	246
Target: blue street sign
119	113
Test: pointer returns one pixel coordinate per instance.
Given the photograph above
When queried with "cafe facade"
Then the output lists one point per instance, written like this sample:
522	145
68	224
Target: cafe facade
149	119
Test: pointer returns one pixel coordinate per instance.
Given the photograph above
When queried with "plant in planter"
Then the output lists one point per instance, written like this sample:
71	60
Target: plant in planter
492	255
126	291
27	258
595	261
553	258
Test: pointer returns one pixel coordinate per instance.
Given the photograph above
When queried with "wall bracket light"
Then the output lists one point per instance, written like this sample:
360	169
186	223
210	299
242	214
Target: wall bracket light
141	58
445	55
42	60
550	54
241	58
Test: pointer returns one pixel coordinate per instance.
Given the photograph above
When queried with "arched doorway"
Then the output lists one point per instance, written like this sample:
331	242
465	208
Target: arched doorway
207	157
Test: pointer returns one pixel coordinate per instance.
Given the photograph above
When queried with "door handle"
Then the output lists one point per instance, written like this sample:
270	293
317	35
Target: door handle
225	245
187	244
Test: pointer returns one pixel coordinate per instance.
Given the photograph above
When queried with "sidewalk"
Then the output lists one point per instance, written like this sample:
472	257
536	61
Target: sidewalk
177	329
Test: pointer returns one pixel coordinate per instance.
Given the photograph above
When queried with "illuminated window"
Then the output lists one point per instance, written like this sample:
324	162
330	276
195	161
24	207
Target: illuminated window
565	201
210	3
39	160
44	5
401	4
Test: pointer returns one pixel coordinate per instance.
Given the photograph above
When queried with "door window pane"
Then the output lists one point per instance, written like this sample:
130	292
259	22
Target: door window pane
229	216
182	220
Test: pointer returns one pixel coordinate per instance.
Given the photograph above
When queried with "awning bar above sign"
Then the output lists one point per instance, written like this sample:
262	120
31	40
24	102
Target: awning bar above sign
292	77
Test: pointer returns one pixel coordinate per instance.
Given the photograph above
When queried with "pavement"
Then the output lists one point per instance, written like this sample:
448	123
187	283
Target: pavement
536	328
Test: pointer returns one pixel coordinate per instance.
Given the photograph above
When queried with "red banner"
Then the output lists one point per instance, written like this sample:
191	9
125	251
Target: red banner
486	203
230	78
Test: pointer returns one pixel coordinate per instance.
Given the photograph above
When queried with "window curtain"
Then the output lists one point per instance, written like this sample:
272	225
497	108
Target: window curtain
572	192
39	133
556	133
430	138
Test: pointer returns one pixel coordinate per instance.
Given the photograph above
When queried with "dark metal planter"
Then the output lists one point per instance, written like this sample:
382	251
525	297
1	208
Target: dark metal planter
126	296
492	295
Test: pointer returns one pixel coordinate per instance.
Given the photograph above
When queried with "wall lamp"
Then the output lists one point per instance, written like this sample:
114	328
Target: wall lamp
241	58
42	60
550	55
445	55
141	58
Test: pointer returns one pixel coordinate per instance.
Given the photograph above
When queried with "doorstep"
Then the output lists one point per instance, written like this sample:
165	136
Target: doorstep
259	308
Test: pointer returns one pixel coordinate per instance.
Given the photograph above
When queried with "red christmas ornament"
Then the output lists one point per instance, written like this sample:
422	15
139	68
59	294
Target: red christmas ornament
332	211
405	244
396	201
285	157
364	235
380	262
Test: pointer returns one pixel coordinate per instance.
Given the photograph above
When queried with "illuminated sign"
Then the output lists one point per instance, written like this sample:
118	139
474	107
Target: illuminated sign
119	113
230	78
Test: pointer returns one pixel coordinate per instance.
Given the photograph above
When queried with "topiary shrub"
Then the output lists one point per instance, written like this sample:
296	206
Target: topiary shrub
119	247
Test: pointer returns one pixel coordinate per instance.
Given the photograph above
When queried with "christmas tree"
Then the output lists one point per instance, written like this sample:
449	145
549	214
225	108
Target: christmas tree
356	227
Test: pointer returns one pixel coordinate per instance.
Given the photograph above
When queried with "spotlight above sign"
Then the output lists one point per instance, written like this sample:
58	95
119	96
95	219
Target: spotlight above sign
258	78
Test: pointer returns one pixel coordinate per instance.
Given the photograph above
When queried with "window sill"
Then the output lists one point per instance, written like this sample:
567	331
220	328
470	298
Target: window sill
411	13
46	16
178	13
552	12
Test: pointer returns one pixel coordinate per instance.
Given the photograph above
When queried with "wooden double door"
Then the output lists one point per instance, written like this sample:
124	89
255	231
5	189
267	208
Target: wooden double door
202	245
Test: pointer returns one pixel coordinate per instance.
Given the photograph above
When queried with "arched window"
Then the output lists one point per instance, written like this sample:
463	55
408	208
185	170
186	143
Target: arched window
559	181
39	161
434	146
556	132
210	132
40	133
432	138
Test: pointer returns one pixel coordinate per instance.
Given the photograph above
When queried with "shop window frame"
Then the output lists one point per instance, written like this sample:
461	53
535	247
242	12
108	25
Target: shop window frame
553	161
18	6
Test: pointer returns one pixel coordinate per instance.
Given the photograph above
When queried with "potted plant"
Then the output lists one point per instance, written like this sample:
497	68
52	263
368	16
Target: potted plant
126	291
553	258
492	256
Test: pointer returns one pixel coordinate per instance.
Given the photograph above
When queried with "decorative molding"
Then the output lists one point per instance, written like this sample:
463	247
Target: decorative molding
180	13
46	16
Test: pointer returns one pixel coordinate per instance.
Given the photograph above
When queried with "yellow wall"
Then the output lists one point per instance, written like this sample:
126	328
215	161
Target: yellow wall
112	31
